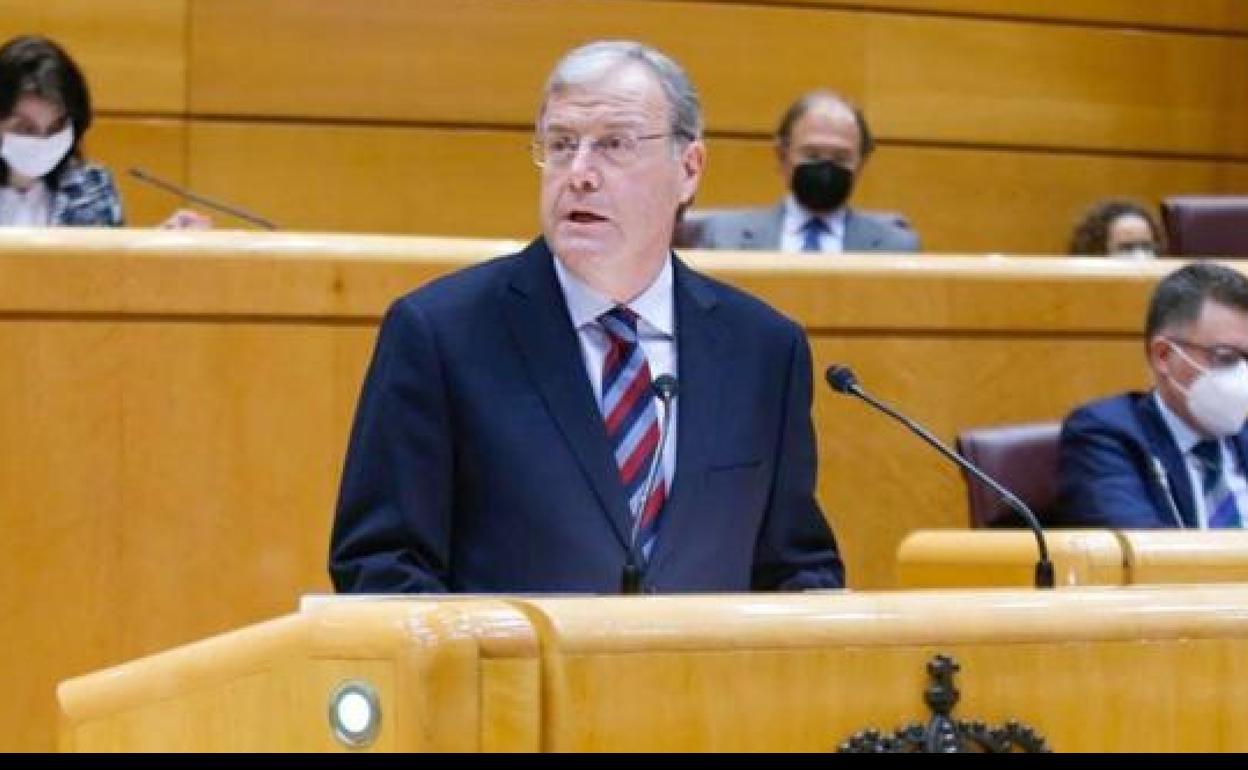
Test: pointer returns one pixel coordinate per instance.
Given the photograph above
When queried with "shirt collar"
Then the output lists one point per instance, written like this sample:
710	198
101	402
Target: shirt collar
653	306
1184	436
796	216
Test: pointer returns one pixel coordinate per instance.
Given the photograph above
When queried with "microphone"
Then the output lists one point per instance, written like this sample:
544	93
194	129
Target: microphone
223	208
843	380
665	387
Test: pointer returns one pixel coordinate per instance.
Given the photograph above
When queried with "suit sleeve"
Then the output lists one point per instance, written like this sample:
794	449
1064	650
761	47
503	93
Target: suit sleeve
796	548
1105	477
393	519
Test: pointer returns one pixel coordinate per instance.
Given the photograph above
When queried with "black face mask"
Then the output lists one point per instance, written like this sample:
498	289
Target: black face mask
822	186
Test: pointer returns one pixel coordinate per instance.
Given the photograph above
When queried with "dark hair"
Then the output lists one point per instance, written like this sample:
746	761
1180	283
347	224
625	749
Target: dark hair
798	109
1179	297
1091	234
31	65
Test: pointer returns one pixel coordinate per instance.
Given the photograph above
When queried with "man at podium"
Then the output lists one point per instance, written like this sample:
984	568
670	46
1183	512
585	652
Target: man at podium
589	414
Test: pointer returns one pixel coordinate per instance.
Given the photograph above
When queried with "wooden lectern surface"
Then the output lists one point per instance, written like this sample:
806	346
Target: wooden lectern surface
1090	669
966	558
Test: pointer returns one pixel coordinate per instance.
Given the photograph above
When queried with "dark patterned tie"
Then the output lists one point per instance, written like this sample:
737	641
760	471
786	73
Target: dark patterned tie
630	410
812	232
1220	505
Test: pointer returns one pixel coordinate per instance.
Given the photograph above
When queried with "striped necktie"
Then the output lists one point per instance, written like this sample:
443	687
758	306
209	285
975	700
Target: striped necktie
630	410
1220	508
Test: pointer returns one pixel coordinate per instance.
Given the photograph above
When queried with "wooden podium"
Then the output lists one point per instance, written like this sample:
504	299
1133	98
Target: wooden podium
981	557
1084	669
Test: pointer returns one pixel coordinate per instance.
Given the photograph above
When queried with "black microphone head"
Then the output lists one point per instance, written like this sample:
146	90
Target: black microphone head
665	387
841	378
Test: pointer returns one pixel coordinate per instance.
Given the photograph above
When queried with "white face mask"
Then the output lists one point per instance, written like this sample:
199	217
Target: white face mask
1217	398
34	156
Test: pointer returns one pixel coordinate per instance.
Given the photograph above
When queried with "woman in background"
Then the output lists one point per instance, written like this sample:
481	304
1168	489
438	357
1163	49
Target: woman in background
45	111
1117	228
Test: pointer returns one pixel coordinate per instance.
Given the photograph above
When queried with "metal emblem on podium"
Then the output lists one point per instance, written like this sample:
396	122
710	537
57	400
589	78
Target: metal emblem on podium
943	733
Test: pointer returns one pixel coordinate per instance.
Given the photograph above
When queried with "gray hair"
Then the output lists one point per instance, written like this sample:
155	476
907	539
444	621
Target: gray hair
593	61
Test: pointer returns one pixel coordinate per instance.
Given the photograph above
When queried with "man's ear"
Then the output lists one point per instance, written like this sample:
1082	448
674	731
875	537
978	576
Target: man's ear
1160	352
692	163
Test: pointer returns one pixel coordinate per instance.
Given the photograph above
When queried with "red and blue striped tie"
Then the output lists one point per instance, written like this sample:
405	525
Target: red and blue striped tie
630	410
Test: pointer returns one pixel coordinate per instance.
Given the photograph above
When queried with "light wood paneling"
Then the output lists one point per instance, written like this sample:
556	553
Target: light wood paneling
805	673
481	183
440	671
1215	15
155	145
996	558
999	82
964	80
354	179
485	61
133	52
650	674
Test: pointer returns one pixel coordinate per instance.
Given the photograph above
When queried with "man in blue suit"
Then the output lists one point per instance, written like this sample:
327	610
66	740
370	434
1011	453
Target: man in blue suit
1176	456
508	438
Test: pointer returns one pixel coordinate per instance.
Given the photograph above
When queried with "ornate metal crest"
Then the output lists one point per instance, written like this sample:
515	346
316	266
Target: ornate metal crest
942	733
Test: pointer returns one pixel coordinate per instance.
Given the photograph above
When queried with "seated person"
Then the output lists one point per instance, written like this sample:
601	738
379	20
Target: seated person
45	110
1117	228
1177	455
822	145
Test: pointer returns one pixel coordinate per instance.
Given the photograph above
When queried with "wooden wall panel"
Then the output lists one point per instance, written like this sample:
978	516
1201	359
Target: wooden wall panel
481	183
485	61
157	145
133	52
963	80
1024	84
374	179
1214	15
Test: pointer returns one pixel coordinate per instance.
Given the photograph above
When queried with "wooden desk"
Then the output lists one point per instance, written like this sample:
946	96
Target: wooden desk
1090	669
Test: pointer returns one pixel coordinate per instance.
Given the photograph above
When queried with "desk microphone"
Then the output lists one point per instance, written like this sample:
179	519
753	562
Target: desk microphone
665	388
223	208
843	380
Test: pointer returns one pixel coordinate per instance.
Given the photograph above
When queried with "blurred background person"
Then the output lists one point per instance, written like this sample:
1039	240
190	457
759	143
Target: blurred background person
1117	228
822	145
45	111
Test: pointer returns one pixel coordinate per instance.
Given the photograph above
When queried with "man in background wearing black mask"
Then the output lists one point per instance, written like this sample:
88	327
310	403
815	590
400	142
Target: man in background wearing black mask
822	144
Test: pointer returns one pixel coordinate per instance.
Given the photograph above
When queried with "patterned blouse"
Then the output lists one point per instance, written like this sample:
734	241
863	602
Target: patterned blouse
86	196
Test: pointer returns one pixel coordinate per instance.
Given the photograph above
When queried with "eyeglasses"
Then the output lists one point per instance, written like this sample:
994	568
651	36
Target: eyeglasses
619	148
1219	356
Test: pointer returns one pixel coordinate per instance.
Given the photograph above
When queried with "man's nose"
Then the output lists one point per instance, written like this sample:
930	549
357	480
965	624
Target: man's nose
583	170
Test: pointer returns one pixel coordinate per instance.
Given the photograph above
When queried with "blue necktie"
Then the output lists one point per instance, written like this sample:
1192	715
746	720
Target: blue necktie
1220	505
811	234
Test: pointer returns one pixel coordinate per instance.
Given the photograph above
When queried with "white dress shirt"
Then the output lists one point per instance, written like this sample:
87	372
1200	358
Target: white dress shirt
1186	439
31	207
796	217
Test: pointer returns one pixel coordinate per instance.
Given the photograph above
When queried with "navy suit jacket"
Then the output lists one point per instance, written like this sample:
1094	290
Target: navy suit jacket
1109	460
479	461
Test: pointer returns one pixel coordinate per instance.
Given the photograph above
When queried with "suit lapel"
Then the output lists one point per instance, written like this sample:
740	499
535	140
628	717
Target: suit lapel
1167	451
859	233
537	315
703	358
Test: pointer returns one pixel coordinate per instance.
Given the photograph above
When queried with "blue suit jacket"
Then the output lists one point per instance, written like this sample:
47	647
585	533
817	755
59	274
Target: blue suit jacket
1108	459
479	461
